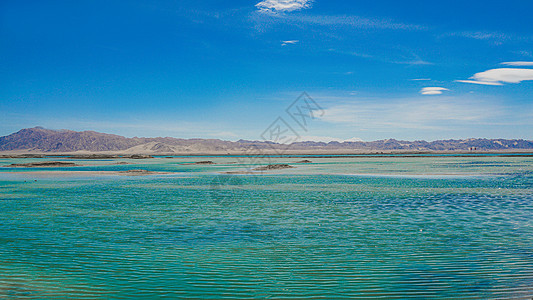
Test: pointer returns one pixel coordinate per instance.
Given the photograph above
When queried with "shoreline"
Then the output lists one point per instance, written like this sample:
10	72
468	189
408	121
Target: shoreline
222	164
292	154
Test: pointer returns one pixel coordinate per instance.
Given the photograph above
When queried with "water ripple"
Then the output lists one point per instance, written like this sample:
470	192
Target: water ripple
291	237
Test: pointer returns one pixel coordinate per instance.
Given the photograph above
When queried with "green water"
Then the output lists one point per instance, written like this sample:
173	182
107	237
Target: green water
414	227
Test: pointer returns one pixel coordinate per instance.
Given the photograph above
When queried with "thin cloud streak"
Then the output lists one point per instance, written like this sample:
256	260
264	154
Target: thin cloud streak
518	63
496	38
283	5
479	82
401	58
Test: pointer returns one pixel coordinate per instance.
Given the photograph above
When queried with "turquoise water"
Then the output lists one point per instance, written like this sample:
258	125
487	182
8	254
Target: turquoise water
439	227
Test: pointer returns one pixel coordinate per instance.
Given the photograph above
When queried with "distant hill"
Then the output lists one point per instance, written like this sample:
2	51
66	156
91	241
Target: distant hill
39	139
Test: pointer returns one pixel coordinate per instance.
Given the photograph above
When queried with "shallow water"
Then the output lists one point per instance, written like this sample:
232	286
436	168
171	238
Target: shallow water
445	227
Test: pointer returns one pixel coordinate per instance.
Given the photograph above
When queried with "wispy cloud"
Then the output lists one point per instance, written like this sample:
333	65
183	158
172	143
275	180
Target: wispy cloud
345	20
437	113
481	35
400	56
283	5
500	76
421	79
291	42
330	25
524	53
518	63
493	37
496	38
433	90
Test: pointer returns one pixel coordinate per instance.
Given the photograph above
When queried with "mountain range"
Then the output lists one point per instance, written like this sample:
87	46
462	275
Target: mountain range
41	140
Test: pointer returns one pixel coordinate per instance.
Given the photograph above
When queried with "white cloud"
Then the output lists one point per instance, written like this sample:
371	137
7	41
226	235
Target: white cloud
421	79
479	82
291	42
433	90
510	75
283	5
518	63
501	76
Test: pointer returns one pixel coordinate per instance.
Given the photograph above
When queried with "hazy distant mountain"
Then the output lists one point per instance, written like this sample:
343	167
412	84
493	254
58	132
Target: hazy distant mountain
39	139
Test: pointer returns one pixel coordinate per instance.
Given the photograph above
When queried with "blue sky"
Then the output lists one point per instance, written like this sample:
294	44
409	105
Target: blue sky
226	69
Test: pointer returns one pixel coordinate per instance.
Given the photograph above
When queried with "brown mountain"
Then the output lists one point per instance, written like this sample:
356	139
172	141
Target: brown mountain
39	139
42	139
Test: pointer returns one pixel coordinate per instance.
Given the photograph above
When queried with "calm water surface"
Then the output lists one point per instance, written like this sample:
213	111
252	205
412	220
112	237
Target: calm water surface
437	227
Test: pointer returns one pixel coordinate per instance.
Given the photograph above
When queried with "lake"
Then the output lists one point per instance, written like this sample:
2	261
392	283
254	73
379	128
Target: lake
339	227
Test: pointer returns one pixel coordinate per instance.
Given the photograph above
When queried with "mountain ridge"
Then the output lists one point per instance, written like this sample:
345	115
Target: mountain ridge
39	139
